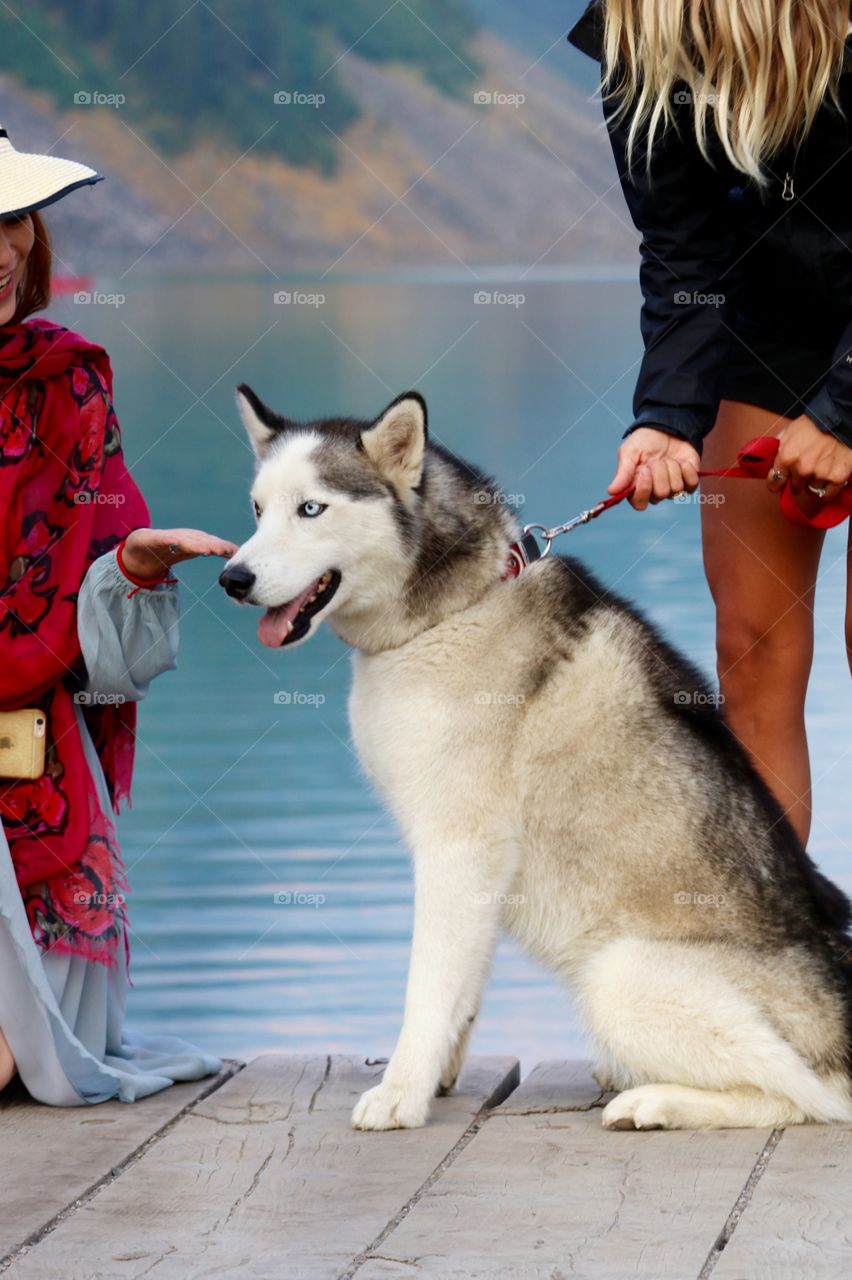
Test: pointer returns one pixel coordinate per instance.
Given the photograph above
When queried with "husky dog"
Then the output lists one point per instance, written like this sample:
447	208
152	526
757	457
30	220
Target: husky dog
559	770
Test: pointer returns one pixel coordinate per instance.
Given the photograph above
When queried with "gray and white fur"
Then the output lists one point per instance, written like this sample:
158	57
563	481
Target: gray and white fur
558	771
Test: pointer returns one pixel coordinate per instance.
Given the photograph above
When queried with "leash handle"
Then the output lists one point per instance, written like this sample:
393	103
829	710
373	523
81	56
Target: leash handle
754	462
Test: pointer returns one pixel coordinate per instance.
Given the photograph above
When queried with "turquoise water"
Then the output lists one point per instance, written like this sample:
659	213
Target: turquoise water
240	797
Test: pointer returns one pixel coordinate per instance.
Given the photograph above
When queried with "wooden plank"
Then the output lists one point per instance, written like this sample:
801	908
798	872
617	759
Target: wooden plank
798	1220
554	1086
264	1178
52	1156
547	1195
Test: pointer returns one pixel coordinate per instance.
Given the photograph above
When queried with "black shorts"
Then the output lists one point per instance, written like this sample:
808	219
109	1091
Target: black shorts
790	314
775	368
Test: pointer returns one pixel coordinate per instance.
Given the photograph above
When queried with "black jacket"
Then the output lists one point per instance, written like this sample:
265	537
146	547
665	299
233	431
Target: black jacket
705	229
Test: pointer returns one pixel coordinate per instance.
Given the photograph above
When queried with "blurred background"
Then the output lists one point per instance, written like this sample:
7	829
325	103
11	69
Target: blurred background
335	204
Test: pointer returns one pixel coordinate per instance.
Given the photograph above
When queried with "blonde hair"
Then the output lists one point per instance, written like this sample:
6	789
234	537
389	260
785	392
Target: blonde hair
759	68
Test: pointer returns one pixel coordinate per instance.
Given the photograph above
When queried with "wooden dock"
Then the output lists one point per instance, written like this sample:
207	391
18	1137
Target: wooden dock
257	1174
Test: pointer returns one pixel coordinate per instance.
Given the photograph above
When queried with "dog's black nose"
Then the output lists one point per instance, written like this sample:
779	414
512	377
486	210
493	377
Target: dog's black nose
236	581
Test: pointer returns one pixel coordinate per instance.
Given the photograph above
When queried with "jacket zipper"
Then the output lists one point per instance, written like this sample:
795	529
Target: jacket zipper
787	192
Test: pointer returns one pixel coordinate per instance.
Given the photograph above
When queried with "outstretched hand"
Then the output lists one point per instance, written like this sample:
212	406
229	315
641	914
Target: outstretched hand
148	553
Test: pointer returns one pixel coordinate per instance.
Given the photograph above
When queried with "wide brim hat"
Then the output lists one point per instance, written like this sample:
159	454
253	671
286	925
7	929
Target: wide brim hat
29	182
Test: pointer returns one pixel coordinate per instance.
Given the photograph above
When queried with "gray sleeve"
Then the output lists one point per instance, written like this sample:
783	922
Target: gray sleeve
126	639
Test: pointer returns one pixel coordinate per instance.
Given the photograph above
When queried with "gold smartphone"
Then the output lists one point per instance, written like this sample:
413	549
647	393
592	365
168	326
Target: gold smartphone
22	741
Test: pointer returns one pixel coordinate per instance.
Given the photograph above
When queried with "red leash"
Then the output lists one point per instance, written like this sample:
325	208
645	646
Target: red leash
754	462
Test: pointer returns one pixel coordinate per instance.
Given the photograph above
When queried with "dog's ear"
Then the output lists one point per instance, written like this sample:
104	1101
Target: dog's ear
396	441
261	423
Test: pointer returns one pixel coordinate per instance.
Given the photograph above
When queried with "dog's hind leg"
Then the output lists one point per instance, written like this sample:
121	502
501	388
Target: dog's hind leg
677	1106
697	1048
457	908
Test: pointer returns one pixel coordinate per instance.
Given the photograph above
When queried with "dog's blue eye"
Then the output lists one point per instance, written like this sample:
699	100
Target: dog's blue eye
312	508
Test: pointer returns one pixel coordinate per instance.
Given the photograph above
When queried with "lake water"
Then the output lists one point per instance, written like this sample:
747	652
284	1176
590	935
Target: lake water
240	797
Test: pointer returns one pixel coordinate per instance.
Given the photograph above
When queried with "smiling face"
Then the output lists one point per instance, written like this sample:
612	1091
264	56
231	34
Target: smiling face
329	499
16	240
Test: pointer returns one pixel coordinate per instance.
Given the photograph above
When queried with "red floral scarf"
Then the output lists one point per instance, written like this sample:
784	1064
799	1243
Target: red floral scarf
67	498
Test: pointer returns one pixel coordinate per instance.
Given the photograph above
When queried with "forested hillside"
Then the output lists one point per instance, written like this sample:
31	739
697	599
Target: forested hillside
212	69
451	132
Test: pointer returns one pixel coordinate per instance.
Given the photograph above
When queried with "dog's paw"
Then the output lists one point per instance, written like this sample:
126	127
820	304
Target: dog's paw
646	1107
390	1106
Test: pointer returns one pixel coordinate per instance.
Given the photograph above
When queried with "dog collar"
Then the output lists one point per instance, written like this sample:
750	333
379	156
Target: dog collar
521	553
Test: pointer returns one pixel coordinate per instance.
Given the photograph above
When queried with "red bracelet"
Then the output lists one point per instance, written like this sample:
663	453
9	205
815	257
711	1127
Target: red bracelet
139	583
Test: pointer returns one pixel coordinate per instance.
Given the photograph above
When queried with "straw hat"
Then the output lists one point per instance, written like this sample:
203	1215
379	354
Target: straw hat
30	182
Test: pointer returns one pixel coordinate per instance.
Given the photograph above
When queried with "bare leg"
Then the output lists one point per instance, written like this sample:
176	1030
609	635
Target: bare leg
762	574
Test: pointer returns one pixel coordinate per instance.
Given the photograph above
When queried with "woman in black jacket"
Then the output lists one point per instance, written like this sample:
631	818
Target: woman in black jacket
731	126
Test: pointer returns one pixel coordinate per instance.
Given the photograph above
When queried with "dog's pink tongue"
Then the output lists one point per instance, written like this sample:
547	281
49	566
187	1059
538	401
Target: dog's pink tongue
273	627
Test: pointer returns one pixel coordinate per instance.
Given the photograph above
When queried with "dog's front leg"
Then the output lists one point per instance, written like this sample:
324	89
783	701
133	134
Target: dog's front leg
457	906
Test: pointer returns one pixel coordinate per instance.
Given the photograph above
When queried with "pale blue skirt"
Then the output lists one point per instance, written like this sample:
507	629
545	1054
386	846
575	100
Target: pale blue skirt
62	1015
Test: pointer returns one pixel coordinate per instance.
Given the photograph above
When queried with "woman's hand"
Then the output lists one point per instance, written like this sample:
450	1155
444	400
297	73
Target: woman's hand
148	553
807	456
658	464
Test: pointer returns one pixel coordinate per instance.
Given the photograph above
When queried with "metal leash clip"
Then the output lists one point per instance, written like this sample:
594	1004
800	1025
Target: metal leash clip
547	535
